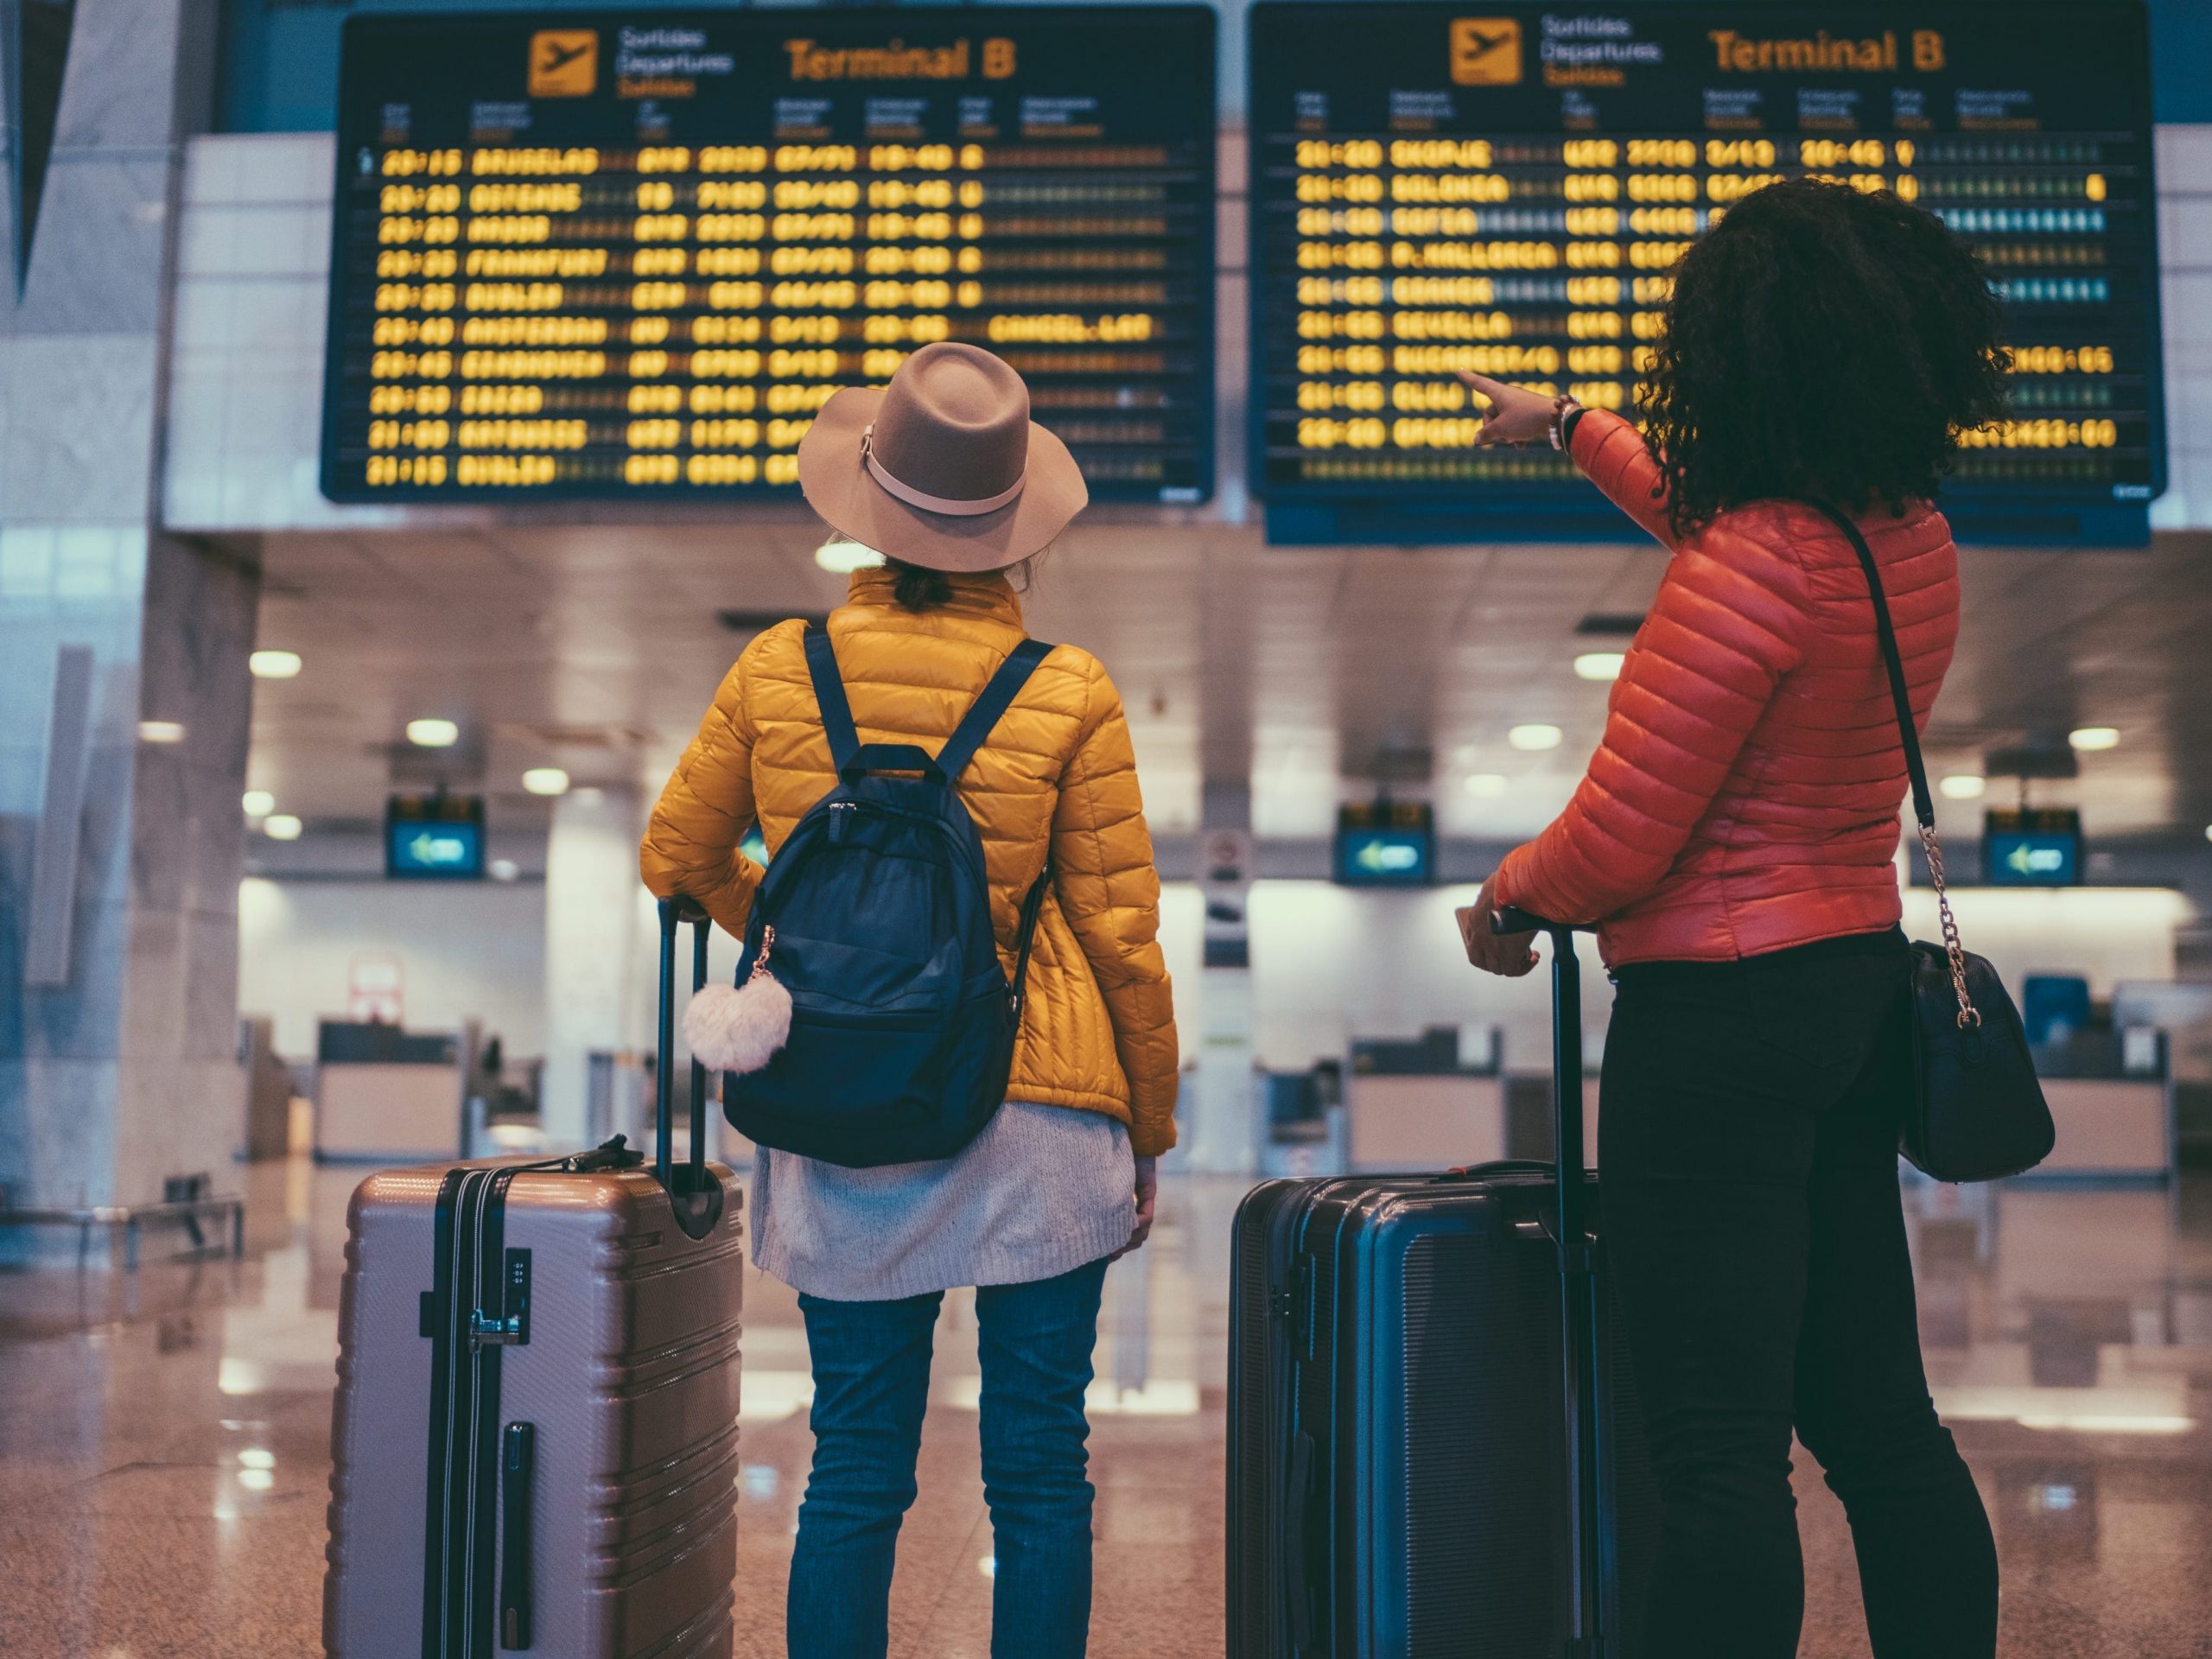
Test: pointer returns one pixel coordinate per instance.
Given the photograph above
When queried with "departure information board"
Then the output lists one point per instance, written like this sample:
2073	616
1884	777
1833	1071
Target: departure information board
1506	188
628	255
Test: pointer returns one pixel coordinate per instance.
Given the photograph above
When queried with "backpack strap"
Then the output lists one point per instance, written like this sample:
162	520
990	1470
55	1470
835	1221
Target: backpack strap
829	692
998	696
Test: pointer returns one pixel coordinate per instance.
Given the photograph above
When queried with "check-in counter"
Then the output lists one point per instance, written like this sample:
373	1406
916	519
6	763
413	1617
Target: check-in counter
1529	1116
2113	1128
2112	1100
1419	1105
1303	1134
384	1095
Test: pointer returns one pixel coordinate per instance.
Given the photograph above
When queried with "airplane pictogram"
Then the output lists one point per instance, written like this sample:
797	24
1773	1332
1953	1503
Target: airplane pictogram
1482	44
1485	51
563	63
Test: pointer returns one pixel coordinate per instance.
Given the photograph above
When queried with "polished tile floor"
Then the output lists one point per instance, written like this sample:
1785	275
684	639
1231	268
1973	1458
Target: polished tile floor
162	1439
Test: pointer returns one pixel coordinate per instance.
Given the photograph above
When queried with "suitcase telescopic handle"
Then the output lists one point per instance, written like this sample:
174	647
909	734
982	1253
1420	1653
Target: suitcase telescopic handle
1586	1490
1566	1044
695	1195
1514	919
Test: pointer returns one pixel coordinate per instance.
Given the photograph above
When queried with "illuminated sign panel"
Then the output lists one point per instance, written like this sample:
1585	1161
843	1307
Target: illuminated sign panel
630	255
434	837
1505	188
1387	844
2031	848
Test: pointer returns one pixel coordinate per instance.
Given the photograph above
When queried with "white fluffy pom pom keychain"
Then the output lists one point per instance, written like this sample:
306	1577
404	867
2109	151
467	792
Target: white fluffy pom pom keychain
741	1027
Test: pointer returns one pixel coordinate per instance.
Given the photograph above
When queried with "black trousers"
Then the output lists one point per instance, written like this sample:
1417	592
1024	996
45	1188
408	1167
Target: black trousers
1748	1138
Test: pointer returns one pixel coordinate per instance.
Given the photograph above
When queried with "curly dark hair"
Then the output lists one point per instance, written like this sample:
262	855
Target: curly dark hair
1822	341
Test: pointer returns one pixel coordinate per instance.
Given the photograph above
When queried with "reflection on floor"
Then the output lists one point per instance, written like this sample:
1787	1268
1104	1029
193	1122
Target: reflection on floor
162	1439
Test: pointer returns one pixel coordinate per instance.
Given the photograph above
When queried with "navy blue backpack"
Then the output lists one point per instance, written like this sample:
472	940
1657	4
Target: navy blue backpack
875	915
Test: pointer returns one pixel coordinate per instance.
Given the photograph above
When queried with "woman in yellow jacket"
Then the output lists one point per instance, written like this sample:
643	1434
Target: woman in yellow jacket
943	472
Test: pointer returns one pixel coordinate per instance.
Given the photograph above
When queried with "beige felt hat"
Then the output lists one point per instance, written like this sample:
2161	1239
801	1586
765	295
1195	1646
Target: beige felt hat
943	468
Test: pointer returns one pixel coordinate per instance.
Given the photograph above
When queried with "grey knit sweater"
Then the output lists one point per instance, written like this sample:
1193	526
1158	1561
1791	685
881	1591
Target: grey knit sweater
1041	1191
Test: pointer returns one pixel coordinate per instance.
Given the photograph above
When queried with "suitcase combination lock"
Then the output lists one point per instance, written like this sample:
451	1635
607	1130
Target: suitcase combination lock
510	1327
489	1331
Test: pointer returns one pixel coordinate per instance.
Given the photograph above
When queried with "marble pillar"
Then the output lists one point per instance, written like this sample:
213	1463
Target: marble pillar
118	1034
596	957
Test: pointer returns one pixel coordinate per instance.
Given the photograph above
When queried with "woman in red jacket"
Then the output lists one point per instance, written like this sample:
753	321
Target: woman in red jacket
1734	841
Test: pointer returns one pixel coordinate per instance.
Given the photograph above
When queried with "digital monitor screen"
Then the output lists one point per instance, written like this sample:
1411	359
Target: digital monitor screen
593	255
2017	859
1386	845
1505	188
434	838
417	849
2029	848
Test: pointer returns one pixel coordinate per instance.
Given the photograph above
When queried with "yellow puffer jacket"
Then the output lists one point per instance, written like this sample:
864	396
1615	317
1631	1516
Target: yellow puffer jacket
1098	1029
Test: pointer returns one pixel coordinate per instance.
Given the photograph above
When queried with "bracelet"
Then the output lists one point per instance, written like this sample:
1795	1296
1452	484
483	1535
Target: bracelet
1564	407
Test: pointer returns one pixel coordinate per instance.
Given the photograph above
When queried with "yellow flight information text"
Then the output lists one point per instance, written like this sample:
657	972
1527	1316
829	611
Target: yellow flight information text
1396	261
664	243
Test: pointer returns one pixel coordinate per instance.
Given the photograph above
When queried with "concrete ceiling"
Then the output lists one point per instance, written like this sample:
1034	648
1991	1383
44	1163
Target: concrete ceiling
1307	672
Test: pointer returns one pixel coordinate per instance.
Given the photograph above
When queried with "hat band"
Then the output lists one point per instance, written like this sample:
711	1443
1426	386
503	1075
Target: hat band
951	507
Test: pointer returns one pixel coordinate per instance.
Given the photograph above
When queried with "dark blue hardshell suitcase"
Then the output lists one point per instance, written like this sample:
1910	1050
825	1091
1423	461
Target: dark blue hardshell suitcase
1410	1472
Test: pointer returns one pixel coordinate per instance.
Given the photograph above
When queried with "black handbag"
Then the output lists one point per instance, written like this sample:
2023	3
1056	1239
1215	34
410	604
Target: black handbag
1977	1111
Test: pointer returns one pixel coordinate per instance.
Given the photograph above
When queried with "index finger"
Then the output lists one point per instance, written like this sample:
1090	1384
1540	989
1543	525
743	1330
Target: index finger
1491	388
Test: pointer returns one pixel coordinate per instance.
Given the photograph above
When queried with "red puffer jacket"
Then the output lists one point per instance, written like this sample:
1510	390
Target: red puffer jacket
1746	798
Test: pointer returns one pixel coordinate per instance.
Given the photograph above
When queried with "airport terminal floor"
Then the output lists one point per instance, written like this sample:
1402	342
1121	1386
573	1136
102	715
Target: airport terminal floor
164	1455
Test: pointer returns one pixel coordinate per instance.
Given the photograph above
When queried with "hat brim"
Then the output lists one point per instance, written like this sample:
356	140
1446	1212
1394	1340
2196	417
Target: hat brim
839	486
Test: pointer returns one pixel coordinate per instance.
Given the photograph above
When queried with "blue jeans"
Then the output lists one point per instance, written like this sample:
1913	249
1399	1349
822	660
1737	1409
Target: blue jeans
871	1387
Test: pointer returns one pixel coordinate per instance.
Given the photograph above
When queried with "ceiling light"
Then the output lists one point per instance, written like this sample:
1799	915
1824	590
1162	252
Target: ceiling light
274	664
281	826
1487	783
433	733
161	731
1600	664
2095	737
842	557
1535	736
258	803
504	869
545	780
1964	786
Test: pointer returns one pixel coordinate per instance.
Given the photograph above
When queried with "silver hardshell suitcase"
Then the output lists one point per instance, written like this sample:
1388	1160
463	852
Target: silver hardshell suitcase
534	1446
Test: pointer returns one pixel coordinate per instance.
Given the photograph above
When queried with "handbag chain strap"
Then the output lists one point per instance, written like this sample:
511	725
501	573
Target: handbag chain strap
1924	802
1969	1016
